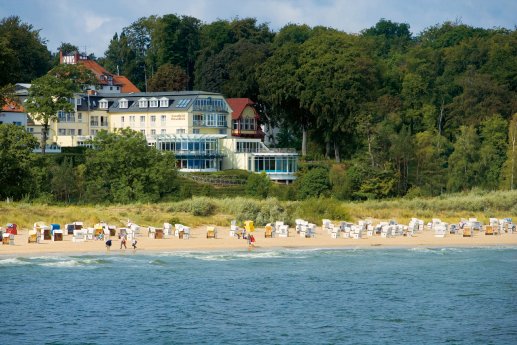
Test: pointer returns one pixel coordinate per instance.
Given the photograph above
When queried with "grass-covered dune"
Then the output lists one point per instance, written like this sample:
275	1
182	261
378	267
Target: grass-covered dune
220	211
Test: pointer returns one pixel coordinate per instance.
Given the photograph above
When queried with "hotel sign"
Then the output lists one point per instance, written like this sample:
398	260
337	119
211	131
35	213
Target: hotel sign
178	117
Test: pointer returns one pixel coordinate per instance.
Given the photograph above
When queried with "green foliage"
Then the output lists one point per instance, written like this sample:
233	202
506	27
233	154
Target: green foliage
122	168
316	209
16	161
23	53
313	183
258	185
168	78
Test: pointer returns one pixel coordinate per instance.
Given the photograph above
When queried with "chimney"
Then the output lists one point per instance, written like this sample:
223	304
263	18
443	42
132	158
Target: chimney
60	56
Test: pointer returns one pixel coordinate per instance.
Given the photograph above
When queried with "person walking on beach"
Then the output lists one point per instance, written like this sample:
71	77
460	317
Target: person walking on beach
123	242
133	243
108	245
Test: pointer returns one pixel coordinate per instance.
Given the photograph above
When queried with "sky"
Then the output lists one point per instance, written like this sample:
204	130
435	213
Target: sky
90	24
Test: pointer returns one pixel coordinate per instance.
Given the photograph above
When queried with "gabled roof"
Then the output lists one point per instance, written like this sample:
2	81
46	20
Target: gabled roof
238	105
126	86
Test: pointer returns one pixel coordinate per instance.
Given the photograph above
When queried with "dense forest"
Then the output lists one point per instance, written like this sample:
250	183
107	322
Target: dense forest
378	114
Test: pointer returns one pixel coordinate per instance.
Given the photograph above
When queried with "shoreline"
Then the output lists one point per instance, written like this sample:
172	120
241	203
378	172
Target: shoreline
199	243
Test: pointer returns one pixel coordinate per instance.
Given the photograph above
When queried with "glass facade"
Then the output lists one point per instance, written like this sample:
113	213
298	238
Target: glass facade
283	164
193	152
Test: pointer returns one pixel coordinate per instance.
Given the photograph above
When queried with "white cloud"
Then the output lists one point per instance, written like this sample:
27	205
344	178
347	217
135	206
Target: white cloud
93	22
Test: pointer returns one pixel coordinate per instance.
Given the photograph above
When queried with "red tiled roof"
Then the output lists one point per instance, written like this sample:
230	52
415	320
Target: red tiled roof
238	105
125	84
13	107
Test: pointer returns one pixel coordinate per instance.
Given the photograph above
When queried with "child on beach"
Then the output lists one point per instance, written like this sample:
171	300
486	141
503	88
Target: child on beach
133	243
123	242
108	245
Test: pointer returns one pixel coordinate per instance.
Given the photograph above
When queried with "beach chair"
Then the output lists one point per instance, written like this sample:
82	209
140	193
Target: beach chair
177	229
57	235
186	233
79	235
489	230
151	232
326	225
234	229
467	231
440	230
11	228
5	238
249	226
33	236
268	231
89	233
283	231
211	232
167	230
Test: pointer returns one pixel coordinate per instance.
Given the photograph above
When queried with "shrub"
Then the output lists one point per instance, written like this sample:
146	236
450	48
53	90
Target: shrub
316	209
313	183
202	206
258	185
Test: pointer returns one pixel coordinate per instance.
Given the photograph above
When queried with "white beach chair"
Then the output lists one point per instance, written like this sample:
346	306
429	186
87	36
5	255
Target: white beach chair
167	230
283	231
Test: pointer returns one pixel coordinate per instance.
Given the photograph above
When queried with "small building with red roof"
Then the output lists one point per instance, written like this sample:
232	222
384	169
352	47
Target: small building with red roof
107	82
245	118
13	113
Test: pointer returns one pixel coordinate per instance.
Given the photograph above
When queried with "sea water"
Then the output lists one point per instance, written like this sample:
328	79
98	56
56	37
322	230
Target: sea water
341	296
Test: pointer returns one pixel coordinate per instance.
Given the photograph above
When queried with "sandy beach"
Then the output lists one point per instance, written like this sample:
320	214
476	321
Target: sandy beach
199	242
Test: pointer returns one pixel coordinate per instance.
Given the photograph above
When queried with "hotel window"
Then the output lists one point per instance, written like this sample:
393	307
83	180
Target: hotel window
153	131
94	121
123	103
79	117
195	131
61	131
132	120
103	104
153	120
142	131
142	120
211	120
235	124
79	132
153	103
164	102
180	131
78	101
142	103
71	131
163	119
163	131
30	130
122	119
198	120
221	120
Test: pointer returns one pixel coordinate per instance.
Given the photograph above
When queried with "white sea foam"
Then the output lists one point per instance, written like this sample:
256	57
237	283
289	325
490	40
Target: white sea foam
65	263
13	261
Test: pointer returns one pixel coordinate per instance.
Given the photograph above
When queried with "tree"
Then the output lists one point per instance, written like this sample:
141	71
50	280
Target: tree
313	183
509	174
258	185
463	162
16	160
280	86
337	77
492	152
122	168
23	53
52	92
64	184
168	78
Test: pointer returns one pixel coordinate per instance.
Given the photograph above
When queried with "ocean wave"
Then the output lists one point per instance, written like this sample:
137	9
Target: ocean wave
14	261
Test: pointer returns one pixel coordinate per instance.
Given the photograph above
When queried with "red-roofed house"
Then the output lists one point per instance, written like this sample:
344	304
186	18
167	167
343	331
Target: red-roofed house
13	113
245	118
108	82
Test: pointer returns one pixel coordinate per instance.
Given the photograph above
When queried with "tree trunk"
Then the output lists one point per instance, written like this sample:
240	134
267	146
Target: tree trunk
513	157
370	149
304	142
337	153
44	136
327	148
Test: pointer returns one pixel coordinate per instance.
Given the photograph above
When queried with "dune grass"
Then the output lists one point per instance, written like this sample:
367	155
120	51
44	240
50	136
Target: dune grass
220	211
